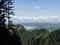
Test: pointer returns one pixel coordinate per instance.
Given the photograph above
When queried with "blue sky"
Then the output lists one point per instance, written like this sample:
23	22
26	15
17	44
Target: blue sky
35	8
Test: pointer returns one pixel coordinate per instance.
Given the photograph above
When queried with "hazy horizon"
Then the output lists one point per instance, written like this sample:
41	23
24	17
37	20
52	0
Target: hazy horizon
47	11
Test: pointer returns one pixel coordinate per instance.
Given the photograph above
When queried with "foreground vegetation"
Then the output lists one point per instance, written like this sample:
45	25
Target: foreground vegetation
38	37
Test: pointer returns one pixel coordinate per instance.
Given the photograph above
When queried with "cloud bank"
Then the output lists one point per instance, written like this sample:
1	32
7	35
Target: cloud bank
36	18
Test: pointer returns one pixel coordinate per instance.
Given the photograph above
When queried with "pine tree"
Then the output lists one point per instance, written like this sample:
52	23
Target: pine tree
6	9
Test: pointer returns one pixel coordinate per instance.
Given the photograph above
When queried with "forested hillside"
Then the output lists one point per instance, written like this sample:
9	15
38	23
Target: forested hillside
39	37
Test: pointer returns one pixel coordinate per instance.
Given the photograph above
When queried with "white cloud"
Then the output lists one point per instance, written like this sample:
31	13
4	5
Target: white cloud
36	18
37	7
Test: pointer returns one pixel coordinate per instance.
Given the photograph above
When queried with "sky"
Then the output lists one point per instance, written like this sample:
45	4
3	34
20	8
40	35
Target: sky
36	11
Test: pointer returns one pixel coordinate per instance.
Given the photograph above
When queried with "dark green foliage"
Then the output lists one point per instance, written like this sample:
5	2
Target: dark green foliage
6	37
47	38
40	37
54	37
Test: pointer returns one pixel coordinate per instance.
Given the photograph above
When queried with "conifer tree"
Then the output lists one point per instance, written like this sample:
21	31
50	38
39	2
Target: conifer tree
6	9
